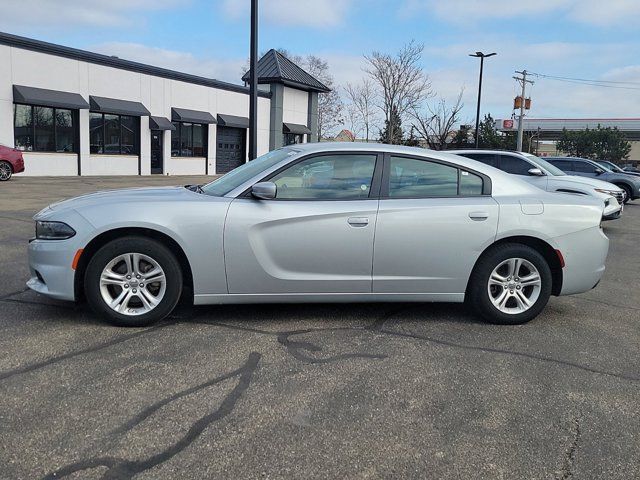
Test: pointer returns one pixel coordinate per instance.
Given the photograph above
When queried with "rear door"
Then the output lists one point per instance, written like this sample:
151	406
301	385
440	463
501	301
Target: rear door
434	220
316	236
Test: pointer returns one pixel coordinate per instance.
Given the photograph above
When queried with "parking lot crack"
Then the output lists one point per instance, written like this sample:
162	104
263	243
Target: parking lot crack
569	456
118	468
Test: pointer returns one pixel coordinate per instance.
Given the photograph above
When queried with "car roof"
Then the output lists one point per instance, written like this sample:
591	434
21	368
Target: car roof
482	150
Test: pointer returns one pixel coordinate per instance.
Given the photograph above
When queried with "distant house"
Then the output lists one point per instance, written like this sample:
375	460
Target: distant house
345	136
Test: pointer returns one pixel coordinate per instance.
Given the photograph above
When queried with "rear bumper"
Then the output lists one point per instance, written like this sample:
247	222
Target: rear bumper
584	253
18	167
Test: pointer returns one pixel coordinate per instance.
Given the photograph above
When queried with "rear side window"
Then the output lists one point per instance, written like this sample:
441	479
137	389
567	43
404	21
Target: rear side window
486	158
584	167
564	165
470	183
417	178
514	165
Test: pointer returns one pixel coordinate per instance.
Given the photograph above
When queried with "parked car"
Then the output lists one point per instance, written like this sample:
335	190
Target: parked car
588	168
615	168
417	226
543	175
11	162
630	168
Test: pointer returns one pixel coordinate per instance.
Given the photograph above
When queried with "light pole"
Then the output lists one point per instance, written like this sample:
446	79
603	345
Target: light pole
253	83
481	56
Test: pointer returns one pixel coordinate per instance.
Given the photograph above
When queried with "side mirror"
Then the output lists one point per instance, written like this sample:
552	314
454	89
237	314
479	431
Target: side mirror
599	171
536	172
264	190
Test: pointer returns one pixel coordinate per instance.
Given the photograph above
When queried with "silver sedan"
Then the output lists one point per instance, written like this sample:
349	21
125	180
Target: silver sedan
323	223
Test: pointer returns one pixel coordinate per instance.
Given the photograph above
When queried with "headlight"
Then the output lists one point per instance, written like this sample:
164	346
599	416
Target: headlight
53	230
613	193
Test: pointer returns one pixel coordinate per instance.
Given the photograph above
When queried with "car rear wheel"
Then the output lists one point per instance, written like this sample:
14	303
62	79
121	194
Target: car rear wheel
510	284
5	171
133	281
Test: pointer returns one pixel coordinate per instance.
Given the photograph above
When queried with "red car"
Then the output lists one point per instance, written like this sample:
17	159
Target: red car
11	162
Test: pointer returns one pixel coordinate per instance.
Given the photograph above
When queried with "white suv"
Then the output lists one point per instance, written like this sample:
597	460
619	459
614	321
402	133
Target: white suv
548	177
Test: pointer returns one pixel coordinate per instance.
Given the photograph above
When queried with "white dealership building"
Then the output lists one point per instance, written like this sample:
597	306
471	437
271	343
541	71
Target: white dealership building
74	112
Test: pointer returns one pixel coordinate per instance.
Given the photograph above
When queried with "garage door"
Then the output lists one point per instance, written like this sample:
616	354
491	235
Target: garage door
230	152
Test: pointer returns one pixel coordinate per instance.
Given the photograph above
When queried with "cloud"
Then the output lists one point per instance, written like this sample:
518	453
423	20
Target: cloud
590	12
226	70
301	13
111	13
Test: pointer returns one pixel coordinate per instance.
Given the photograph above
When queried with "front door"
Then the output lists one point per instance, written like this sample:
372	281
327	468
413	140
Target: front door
316	236
434	220
156	151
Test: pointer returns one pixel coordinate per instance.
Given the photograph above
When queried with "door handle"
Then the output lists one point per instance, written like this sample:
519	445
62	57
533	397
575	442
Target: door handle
358	221
478	216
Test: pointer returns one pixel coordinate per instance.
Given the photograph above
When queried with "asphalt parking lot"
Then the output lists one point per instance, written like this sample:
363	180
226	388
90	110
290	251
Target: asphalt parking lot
315	391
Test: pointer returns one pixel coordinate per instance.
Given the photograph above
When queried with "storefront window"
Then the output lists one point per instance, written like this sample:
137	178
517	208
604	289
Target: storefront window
45	129
188	140
292	138
114	134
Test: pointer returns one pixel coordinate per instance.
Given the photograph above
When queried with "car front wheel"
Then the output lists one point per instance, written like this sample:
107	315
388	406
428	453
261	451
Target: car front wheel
510	284
133	281
5	171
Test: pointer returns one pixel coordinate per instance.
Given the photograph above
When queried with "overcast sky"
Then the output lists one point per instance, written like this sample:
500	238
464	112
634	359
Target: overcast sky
591	39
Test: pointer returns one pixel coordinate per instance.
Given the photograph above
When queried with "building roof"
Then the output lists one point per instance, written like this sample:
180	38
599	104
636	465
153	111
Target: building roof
115	62
551	128
274	67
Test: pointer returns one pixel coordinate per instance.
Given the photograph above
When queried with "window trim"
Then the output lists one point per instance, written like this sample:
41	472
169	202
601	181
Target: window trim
205	138
386	178
374	191
137	142
75	119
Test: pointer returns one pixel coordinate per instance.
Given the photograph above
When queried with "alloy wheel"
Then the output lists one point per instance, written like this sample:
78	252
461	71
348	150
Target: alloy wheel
5	171
132	284
514	286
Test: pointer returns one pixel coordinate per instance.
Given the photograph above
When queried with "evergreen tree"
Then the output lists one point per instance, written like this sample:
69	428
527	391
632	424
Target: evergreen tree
392	132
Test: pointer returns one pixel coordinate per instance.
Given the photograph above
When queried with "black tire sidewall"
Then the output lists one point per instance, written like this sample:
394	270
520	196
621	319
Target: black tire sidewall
628	192
132	244
479	295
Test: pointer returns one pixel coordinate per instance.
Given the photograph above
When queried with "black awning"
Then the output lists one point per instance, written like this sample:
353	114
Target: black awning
121	107
48	98
160	123
233	121
193	116
295	128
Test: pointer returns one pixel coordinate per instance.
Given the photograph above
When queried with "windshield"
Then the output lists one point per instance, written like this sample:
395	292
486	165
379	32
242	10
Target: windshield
549	168
237	176
611	166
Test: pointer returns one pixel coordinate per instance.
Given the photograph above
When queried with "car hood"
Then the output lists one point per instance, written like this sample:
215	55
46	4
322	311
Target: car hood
147	194
588	181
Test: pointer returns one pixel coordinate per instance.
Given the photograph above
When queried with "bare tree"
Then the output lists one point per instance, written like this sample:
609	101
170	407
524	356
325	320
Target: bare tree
436	124
402	83
361	103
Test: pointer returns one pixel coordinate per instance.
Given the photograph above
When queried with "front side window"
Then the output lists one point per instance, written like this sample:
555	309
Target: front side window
410	177
486	158
44	129
188	140
114	134
564	165
585	167
327	177
514	165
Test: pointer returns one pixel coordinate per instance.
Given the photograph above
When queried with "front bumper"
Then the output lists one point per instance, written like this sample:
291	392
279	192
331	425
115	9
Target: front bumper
612	209
50	261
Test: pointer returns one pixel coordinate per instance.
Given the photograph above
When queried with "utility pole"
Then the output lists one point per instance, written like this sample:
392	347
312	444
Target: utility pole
481	56
253	83
523	81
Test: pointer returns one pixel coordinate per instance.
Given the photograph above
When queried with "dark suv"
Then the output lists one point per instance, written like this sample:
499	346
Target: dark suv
588	168
10	162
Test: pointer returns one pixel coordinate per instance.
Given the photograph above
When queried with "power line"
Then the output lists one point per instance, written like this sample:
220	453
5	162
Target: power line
592	83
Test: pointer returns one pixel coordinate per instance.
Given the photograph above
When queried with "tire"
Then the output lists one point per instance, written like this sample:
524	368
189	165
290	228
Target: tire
628	192
112	274
6	170
484	288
